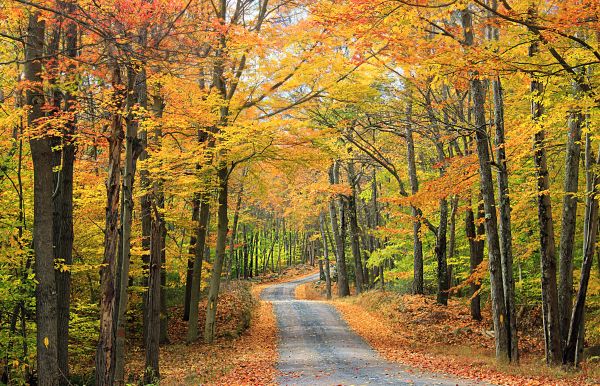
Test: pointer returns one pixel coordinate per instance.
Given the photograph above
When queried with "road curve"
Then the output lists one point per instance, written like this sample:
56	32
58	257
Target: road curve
316	347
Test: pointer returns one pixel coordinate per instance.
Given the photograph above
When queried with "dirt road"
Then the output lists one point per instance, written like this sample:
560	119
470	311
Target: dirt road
316	347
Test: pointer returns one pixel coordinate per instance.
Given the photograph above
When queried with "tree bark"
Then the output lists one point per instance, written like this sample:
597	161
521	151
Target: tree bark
415	212
190	264
474	235
325	255
215	279
63	212
132	151
338	230
201	231
589	244
105	353
354	231
152	303
41	153
569	219
499	314
547	245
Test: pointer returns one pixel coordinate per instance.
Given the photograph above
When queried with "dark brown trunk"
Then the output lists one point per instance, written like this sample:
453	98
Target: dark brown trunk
570	355
41	153
499	315
105	353
152	302
354	231
547	245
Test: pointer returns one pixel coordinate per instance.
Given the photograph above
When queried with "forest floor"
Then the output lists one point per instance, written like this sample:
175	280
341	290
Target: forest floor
245	350
415	331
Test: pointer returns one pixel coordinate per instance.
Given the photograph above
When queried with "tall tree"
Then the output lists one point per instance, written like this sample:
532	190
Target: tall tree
499	316
41	153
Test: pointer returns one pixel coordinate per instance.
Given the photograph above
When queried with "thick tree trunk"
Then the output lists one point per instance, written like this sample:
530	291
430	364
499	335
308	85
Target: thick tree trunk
215	279
105	353
41	153
505	221
132	151
63	215
569	219
547	245
499	315
152	303
493	34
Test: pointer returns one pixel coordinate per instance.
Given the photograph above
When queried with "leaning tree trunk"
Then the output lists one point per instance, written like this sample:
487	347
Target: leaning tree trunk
41	153
547	246
499	314
589	245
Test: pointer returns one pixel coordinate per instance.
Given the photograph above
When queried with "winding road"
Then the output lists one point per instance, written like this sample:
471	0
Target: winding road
316	347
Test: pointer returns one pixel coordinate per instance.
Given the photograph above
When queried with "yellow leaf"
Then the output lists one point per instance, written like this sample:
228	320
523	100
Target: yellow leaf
46	342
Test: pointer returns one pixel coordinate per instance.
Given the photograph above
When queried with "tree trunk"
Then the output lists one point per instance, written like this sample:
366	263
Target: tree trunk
474	235
63	215
105	353
499	314
325	255
504	202
190	263
589	245
569	219
132	151
41	153
440	253
215	279
354	231
201	230
338	236
152	302
547	245
236	217
415	212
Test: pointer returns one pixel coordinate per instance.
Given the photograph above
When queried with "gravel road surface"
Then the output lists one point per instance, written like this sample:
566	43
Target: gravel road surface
316	347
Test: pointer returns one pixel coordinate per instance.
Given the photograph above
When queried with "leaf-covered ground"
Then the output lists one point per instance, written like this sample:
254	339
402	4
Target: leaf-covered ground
415	331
